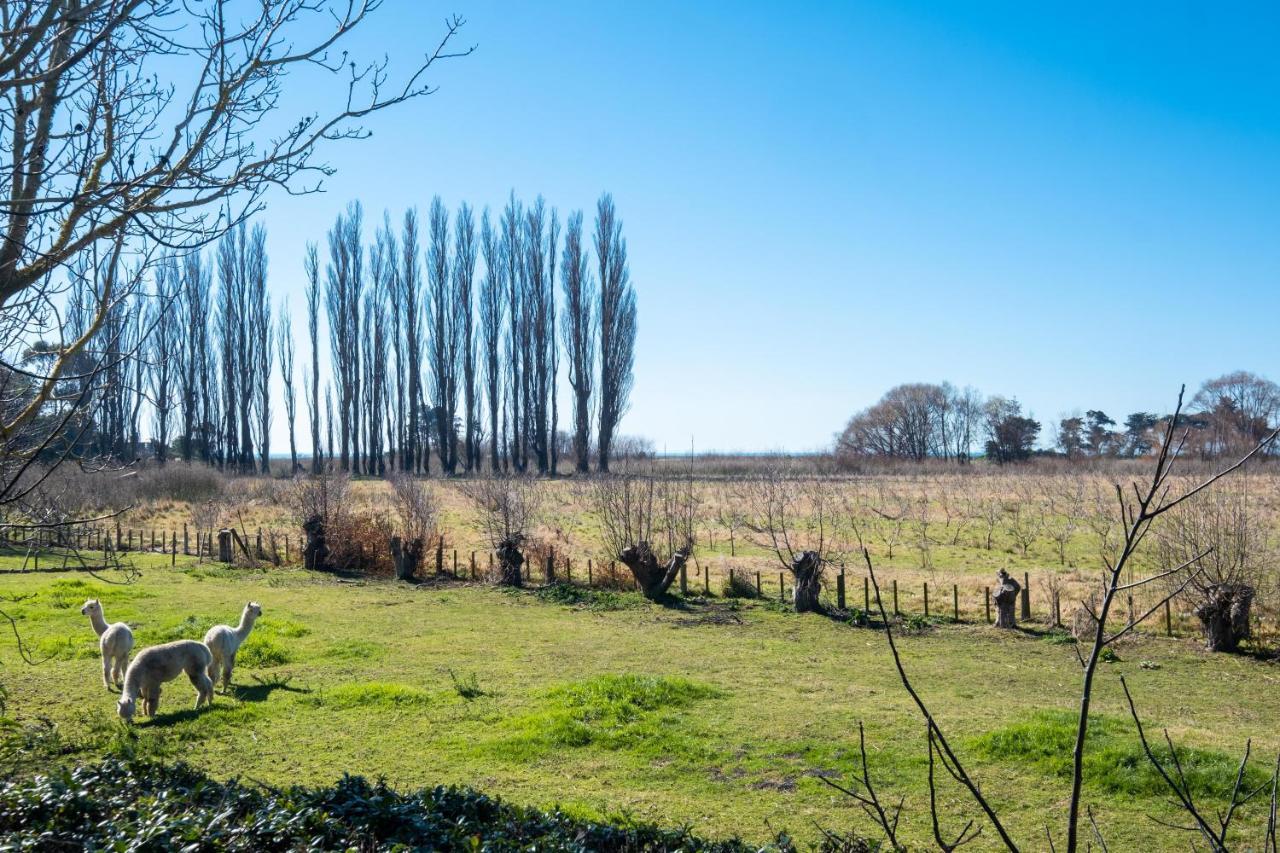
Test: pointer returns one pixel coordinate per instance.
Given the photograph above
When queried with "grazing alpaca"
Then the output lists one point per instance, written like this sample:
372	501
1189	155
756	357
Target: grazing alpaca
158	664
224	641
115	641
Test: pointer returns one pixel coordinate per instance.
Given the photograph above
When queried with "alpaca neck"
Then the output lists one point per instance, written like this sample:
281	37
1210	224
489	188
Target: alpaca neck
98	621
246	625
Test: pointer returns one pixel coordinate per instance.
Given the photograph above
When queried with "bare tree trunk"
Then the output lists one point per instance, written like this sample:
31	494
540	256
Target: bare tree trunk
1006	597
1224	615
653	578
510	562
806	568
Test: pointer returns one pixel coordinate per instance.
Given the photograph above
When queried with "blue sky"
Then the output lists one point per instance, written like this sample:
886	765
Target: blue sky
1073	205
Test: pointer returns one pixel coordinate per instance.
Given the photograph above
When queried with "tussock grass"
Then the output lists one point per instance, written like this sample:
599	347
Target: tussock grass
1114	760
374	694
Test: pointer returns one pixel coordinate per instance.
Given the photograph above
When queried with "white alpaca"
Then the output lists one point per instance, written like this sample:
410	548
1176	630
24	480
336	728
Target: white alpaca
224	641
158	664
115	642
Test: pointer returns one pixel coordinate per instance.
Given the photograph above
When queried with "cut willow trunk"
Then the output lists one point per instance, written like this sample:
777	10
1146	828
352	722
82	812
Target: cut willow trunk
510	562
806	569
653	577
315	554
1006	600
1224	614
406	557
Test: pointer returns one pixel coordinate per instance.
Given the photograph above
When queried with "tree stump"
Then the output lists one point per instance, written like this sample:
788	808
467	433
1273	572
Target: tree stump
224	545
510	562
806	568
1224	614
315	553
406	557
653	578
1006	597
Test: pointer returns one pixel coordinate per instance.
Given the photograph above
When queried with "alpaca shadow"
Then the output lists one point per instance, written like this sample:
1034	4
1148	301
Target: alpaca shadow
261	691
172	718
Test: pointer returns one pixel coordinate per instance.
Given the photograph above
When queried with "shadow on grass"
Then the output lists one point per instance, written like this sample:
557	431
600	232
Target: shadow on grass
262	690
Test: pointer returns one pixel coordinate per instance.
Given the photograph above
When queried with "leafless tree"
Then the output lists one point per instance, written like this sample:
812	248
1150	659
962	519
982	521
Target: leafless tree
162	343
798	519
464	271
617	325
418	510
344	290
195	349
1238	556
311	381
647	523
508	507
416	455
258	377
492	304
581	331
284	351
517	329
443	342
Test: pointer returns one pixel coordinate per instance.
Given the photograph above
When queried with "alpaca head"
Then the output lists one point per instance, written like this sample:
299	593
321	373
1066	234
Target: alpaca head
253	610
92	607
126	707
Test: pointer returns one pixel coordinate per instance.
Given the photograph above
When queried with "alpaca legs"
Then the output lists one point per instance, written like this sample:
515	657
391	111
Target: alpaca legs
107	664
204	687
227	666
118	670
151	701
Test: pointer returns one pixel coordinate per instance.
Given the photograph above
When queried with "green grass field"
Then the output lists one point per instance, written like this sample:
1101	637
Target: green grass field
717	714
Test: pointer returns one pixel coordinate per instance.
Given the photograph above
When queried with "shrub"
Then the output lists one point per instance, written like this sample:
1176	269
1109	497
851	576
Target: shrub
175	807
739	584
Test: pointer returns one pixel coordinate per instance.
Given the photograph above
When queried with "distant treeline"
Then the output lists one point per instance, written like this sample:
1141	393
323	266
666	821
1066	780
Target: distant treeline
922	421
452	344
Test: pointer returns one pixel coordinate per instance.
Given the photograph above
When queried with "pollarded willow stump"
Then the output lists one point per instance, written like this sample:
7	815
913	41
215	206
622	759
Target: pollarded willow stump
1006	597
653	577
510	562
1224	614
406	557
315	554
806	569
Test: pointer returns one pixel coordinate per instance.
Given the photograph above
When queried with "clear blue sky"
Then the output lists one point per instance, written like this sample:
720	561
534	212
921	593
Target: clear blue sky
1076	205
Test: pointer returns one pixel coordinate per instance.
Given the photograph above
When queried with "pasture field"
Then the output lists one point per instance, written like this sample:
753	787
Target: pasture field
719	713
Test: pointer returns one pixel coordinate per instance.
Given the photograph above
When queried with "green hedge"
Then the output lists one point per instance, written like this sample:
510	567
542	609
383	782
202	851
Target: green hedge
118	805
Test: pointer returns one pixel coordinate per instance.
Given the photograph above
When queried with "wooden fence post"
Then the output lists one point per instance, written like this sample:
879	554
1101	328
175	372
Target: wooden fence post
866	596
551	566
840	590
782	588
684	577
186	543
590	580
224	546
473	565
955	600
759	588
926	599
1026	596
895	597
706	580
440	556
1168	618
988	605
455	563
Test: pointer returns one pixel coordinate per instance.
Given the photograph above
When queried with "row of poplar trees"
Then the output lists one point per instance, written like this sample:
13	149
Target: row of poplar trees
451	344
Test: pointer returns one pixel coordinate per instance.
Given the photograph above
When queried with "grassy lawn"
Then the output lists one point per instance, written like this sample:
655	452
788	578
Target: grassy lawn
715	714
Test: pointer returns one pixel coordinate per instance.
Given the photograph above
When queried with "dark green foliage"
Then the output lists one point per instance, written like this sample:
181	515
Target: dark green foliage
583	597
164	808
